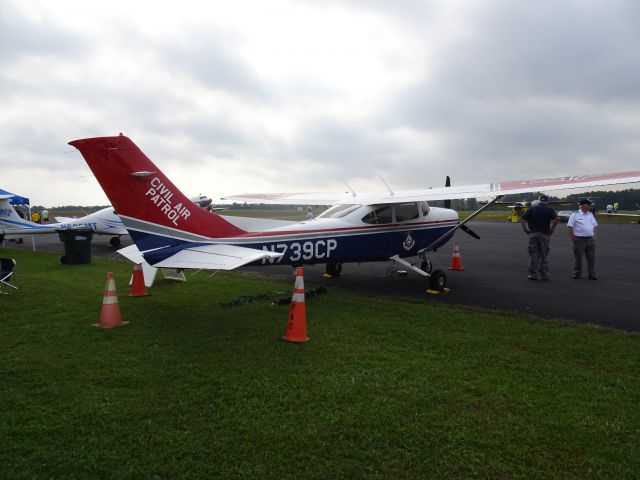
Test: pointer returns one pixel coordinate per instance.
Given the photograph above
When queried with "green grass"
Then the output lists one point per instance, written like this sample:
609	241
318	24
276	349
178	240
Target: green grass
386	388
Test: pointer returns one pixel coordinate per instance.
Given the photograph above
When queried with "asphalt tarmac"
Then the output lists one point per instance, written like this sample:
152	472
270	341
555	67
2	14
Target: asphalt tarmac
494	275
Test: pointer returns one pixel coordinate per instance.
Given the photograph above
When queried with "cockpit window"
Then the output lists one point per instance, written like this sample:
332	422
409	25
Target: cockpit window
379	215
406	211
424	206
339	211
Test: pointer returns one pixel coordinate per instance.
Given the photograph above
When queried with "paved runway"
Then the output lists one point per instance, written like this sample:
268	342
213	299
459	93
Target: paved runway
495	275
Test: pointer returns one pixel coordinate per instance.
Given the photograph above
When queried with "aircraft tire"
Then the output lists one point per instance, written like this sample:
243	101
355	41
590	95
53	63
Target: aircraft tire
437	281
334	269
114	241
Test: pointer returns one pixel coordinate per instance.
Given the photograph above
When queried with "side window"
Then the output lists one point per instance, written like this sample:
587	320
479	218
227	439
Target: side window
379	215
406	211
424	206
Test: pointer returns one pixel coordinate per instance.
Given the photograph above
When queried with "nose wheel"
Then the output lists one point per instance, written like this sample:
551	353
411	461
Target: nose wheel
438	281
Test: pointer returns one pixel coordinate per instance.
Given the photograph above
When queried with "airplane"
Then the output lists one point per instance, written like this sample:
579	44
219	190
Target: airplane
169	232
202	200
102	222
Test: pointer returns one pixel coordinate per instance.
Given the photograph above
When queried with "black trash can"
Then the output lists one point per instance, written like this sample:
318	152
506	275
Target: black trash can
77	245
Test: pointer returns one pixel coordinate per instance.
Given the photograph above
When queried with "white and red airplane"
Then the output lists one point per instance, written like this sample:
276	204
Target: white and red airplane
102	222
169	231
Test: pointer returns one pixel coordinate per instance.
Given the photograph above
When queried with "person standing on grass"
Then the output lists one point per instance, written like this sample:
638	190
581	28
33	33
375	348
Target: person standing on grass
581	228
539	222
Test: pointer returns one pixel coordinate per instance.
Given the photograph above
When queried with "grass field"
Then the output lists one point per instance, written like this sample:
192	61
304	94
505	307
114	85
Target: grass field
195	388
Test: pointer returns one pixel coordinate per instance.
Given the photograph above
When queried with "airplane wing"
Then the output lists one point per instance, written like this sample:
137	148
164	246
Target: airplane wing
209	257
444	193
605	214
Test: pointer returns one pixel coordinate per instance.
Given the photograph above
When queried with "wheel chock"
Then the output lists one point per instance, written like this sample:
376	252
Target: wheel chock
437	292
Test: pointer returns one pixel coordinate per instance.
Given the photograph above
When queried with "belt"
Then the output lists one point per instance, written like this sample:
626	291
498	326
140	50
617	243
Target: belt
581	237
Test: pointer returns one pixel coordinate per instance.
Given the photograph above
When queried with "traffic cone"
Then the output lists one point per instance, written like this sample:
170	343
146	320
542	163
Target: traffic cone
456	263
138	288
297	323
110	315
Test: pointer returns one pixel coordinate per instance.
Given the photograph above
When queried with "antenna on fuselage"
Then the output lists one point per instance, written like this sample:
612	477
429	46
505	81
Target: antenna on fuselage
386	185
353	193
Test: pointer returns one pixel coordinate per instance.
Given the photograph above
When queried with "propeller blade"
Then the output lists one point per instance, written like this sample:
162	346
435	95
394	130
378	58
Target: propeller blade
447	183
466	229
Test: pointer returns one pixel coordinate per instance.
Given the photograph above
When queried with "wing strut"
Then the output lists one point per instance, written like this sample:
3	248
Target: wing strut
461	225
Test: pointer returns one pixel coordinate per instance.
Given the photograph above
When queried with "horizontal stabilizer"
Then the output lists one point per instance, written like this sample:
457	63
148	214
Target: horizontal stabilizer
132	253
215	257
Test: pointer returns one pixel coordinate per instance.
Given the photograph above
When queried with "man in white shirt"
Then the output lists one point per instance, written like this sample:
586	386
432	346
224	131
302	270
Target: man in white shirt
582	230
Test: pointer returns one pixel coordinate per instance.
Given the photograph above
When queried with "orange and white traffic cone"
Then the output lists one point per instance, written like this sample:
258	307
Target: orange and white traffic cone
297	323
138	288
110	315
456	262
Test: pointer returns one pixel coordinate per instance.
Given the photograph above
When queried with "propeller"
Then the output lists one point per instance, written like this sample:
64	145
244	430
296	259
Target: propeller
447	183
466	229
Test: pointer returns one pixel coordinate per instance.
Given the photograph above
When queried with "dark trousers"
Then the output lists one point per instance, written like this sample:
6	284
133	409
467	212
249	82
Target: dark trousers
539	246
584	247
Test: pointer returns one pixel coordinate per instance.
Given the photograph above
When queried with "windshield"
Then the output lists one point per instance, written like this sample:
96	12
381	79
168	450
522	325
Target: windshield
339	211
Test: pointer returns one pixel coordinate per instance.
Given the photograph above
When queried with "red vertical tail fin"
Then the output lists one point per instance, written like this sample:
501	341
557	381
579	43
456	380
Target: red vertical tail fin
142	195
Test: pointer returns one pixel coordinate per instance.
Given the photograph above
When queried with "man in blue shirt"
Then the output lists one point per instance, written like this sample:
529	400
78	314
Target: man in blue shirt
539	223
582	230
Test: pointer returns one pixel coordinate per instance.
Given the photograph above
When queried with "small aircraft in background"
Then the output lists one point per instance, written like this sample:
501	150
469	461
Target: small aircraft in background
518	208
102	222
169	232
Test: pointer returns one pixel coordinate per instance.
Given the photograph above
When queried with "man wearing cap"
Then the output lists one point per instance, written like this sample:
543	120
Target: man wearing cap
539	222
582	230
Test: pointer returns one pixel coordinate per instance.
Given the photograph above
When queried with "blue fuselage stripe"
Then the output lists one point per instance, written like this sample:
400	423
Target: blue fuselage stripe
309	248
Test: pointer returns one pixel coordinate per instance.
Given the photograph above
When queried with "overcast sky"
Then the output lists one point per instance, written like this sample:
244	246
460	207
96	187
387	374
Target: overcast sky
259	96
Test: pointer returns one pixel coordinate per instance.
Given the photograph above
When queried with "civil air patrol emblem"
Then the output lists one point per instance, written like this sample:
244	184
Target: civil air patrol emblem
408	242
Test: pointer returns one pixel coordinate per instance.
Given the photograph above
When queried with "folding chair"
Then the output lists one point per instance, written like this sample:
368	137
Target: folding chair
7	272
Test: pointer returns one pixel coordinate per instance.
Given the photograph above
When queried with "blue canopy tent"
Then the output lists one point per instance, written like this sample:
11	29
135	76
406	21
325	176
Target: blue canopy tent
15	199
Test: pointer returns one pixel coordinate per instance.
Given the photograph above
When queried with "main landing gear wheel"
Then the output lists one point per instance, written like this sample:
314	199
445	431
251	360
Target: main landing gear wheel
333	269
114	241
437	281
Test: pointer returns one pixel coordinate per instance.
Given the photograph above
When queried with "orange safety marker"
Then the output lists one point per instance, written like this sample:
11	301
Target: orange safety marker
138	288
297	323
456	262
110	315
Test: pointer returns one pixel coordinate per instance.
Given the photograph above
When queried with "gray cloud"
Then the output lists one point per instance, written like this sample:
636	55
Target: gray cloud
508	90
212	58
576	49
20	36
